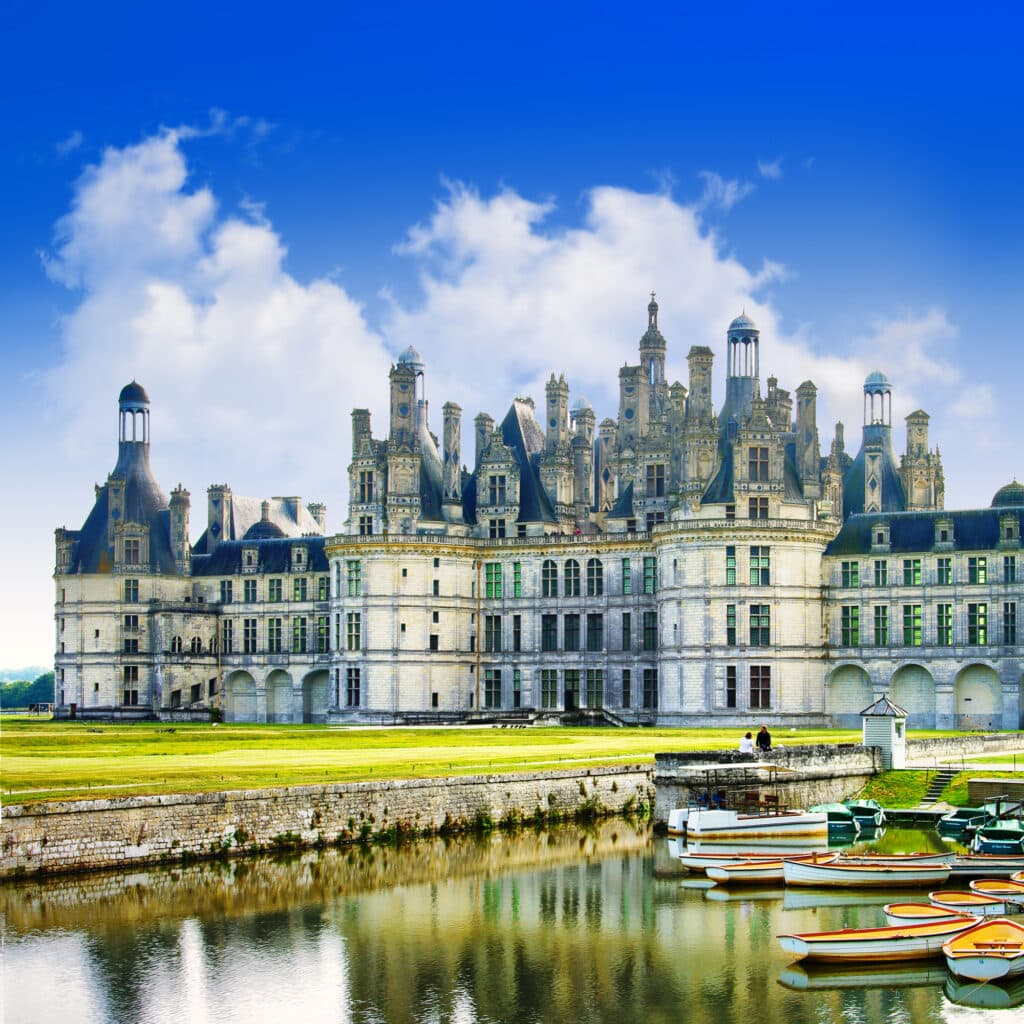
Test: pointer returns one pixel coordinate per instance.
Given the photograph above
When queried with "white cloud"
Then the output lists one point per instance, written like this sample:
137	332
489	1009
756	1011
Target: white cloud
70	144
770	168
722	193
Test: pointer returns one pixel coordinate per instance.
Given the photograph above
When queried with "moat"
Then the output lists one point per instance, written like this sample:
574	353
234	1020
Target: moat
567	925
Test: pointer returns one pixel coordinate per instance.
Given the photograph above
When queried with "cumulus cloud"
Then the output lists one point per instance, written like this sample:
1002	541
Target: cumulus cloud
770	168
722	193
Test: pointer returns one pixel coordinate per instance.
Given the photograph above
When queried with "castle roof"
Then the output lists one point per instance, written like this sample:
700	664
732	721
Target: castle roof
1009	495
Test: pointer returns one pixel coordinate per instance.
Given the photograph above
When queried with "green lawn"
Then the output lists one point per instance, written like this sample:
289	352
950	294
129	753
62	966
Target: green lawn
44	760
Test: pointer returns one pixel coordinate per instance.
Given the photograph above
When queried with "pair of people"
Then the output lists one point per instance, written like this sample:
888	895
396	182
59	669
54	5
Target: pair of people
763	742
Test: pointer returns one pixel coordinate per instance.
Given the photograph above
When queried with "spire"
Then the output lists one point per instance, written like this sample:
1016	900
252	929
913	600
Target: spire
652	313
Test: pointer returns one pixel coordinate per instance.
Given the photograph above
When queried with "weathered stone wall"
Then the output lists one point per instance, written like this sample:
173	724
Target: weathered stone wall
125	831
966	746
979	790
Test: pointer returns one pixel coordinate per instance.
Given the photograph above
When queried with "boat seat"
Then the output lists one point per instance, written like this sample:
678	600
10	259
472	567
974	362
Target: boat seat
998	945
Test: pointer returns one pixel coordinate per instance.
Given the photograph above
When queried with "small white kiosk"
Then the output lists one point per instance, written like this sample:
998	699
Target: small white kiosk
885	726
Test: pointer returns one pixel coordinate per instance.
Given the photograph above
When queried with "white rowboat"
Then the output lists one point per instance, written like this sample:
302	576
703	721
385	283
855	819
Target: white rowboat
861	875
714	824
990	950
916	913
904	942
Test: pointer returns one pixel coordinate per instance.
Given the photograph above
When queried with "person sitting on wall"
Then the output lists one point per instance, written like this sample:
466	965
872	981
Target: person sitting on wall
747	744
764	740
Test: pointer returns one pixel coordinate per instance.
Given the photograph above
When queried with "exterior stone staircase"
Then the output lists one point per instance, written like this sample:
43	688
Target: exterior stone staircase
940	780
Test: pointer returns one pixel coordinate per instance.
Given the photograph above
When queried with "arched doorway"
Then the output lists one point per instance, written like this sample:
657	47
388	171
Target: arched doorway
913	688
977	698
279	697
315	696
239	698
847	693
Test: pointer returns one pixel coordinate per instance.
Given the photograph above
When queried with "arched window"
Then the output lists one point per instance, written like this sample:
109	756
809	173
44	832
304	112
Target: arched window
549	579
175	645
197	645
572	578
595	577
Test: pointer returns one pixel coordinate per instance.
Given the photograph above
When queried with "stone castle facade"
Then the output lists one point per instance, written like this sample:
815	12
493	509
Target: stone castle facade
672	566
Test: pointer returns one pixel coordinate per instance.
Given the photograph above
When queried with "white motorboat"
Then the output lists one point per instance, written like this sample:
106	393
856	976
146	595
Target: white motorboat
722	824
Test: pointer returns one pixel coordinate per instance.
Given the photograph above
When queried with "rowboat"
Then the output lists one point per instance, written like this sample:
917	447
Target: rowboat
953	823
999	837
903	942
869	813
916	913
895	858
1001	888
977	903
722	824
1017	876
990	995
701	860
991	949
750	872
841	820
986	865
861	875
809	976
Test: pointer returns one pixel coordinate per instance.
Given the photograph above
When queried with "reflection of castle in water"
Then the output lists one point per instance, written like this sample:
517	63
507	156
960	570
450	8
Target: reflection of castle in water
559	926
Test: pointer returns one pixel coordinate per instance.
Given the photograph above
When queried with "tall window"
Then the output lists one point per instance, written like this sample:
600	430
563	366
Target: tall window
517	688
595	688
627	577
911	625
496	490
517	579
354	576
627	688
730	625
492	633
944	625
650	574
548	688
549	632
881	625
227	636
1009	568
517	633
248	636
977	623
300	588
250	591
850	625
760	625
650	631
1009	622
572	688
274	636
760	686
273	590
944	571
757	508
492	688
366	486
299	635
226	592
627	630
572	578
353	631
757	464
650	687
496	528
322	635
656	481
549	579
595	577
851	574
977	569
730	566
881	572
730	686
572	632
365	526
131	684
760	567
133	551
322	587
911	572
492	579
131	590
595	632
352	687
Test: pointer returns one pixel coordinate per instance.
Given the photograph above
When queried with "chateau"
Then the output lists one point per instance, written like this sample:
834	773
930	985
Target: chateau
673	566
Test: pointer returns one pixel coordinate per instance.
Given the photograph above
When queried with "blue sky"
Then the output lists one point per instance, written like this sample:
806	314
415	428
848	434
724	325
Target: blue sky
252	209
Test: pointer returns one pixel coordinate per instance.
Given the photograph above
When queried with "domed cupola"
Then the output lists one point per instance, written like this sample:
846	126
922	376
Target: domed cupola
410	357
1009	495
263	528
133	411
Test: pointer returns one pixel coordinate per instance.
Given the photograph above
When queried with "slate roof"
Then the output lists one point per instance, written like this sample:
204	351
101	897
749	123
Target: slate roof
893	497
973	530
273	555
883	707
246	512
521	432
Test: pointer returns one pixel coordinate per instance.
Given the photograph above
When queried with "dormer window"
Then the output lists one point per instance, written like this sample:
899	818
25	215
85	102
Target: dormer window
880	537
298	557
1009	529
943	533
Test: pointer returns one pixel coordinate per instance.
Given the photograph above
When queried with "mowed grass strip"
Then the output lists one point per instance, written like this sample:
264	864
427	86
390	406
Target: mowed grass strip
73	760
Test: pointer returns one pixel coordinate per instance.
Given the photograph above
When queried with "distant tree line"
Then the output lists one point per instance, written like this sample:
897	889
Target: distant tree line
21	693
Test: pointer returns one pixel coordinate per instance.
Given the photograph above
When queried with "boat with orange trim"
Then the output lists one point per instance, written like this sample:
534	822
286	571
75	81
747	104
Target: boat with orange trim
866	874
990	950
916	913
978	903
902	942
1001	888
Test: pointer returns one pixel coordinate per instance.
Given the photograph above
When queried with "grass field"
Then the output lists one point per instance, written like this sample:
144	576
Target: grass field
45	760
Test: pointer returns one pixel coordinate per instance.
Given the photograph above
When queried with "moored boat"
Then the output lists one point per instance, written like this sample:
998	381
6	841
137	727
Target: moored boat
999	837
990	950
869	813
903	942
863	875
701	860
895	858
977	903
841	820
1001	888
954	823
987	865
751	872
708	824
916	913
